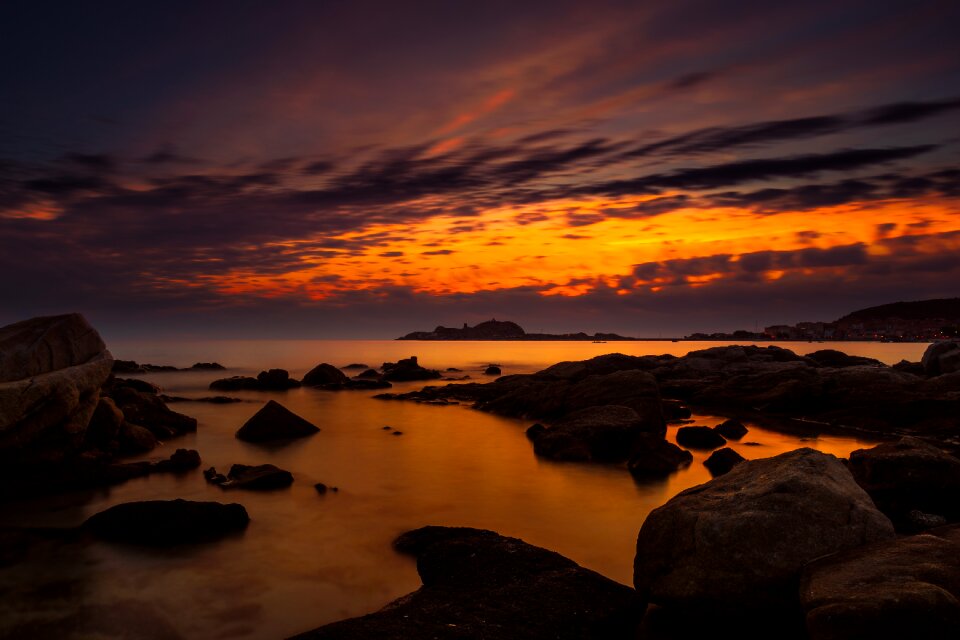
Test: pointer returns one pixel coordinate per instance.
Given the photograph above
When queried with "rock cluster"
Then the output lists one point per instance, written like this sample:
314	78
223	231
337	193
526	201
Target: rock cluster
327	376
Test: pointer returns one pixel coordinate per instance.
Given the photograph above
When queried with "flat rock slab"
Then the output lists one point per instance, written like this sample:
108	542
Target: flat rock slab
740	541
275	422
905	588
478	584
167	522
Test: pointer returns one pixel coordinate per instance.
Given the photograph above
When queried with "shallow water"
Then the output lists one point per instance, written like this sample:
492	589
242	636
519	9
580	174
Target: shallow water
308	559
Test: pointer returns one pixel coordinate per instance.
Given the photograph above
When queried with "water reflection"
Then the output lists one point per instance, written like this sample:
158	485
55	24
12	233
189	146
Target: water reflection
306	558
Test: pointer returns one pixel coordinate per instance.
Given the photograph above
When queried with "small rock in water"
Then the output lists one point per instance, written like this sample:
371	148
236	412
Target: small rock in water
699	438
397	433
322	488
731	429
387	428
492	370
722	460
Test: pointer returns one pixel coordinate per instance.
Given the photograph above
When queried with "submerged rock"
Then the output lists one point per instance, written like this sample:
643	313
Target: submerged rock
905	588
740	541
167	522
722	461
910	476
275	422
480	585
654	457
699	438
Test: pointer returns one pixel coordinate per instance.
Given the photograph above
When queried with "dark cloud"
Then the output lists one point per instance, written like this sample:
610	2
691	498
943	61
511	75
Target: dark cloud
96	162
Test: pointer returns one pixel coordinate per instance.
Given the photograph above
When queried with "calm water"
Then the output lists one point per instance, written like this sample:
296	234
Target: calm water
308	559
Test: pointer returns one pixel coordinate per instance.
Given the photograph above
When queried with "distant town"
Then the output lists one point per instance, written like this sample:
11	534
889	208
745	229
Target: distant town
921	321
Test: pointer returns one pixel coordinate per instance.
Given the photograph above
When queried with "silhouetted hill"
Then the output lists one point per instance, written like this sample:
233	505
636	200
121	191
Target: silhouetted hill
947	309
502	330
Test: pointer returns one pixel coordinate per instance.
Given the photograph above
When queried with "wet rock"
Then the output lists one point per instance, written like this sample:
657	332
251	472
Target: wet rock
739	542
263	477
51	371
722	461
699	438
492	370
731	429
325	375
150	411
275	422
909	475
599	434
838	359
406	370
167	522
654	457
478	584
941	358
905	588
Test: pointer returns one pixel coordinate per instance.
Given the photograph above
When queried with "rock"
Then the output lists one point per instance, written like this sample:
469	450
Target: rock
838	359
260	477
136	439
132	383
478	584
275	422
654	457
235	383
51	371
909	475
673	411
905	588
941	358
179	461
397	433
325	374
731	429
127	366
739	542
914	368
406	370
276	380
150	411
369	373
600	434
699	438
355	365
104	427
492	370
208	366
722	461
167	522
320	487
536	430
210	399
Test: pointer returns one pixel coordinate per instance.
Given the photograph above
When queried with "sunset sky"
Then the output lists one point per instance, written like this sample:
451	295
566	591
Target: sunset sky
365	169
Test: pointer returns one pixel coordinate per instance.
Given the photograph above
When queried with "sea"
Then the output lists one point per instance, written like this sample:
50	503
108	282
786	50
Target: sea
308	559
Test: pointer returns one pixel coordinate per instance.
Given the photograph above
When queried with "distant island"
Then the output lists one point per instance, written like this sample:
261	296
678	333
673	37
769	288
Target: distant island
918	321
505	330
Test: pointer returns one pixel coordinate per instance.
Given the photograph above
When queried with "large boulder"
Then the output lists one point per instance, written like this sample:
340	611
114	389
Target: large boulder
906	588
407	369
275	422
699	438
654	457
940	358
167	522
51	371
909	476
478	585
740	541
600	434
325	374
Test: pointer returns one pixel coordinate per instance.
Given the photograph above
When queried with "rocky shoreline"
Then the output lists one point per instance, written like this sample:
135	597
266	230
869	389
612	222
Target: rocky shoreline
802	544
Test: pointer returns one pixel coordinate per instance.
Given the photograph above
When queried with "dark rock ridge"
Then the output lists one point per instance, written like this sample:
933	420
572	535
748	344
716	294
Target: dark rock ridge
502	330
275	422
271	380
327	376
480	585
762	383
905	588
740	541
406	370
907	477
167	522
131	366
261	477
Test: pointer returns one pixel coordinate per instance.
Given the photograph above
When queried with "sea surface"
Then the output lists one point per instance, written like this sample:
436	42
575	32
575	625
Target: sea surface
308	559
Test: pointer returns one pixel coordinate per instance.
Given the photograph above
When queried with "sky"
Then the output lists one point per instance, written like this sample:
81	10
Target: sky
363	169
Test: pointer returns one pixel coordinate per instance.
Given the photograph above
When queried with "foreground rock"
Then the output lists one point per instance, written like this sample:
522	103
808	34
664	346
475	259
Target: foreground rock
907	588
478	584
406	370
941	358
601	434
654	457
167	522
740	541
908	477
51	371
326	376
263	477
275	422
